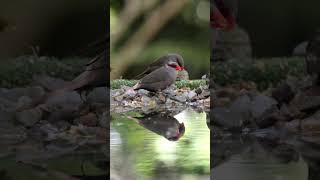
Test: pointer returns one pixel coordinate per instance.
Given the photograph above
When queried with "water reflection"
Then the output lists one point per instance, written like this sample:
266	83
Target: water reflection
146	146
266	155
163	124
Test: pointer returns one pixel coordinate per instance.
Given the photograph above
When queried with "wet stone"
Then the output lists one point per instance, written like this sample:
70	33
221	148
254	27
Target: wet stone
181	98
6	118
90	119
103	120
98	95
29	117
71	98
24	100
191	94
143	92
302	102
16	93
48	82
50	131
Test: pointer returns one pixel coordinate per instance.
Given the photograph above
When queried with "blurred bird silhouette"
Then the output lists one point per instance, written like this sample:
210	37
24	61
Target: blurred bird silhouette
313	57
163	124
223	14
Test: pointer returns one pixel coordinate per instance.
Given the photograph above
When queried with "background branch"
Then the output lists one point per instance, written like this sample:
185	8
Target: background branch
157	19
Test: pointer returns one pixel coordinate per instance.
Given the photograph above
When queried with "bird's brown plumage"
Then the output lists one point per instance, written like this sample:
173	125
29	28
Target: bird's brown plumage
161	62
159	79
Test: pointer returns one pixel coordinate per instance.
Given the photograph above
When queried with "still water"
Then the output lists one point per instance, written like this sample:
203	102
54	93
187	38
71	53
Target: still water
160	146
269	157
257	164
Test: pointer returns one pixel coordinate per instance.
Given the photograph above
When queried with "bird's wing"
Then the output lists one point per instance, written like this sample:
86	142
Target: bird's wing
155	76
153	66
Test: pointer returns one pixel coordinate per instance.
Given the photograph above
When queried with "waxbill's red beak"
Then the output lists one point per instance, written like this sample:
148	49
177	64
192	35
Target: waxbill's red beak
160	78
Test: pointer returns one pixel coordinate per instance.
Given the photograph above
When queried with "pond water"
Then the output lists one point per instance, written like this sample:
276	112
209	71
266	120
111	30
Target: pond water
259	165
73	166
160	146
292	158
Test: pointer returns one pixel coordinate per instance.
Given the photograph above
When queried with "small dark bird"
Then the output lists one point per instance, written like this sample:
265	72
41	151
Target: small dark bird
162	61
223	14
313	57
160	78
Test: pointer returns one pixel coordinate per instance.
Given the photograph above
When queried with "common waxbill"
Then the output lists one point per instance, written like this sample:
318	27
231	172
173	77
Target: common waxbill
162	61
223	14
160	78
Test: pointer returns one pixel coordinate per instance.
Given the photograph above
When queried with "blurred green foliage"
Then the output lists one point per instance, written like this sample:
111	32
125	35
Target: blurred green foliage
265	72
20	71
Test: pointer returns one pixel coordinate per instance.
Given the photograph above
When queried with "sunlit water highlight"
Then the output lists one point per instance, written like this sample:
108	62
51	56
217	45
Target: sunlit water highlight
138	153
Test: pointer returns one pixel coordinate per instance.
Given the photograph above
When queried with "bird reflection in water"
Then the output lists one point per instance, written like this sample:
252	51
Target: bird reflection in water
162	124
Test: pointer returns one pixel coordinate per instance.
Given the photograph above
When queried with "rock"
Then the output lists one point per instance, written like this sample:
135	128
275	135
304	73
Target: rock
130	93
24	100
65	98
283	94
104	120
90	119
63	104
181	98
98	95
235	116
254	108
48	83
61	125
191	94
16	93
63	114
226	118
311	125
49	131
29	117
302	102
7	105
264	110
293	126
142	92
6	116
